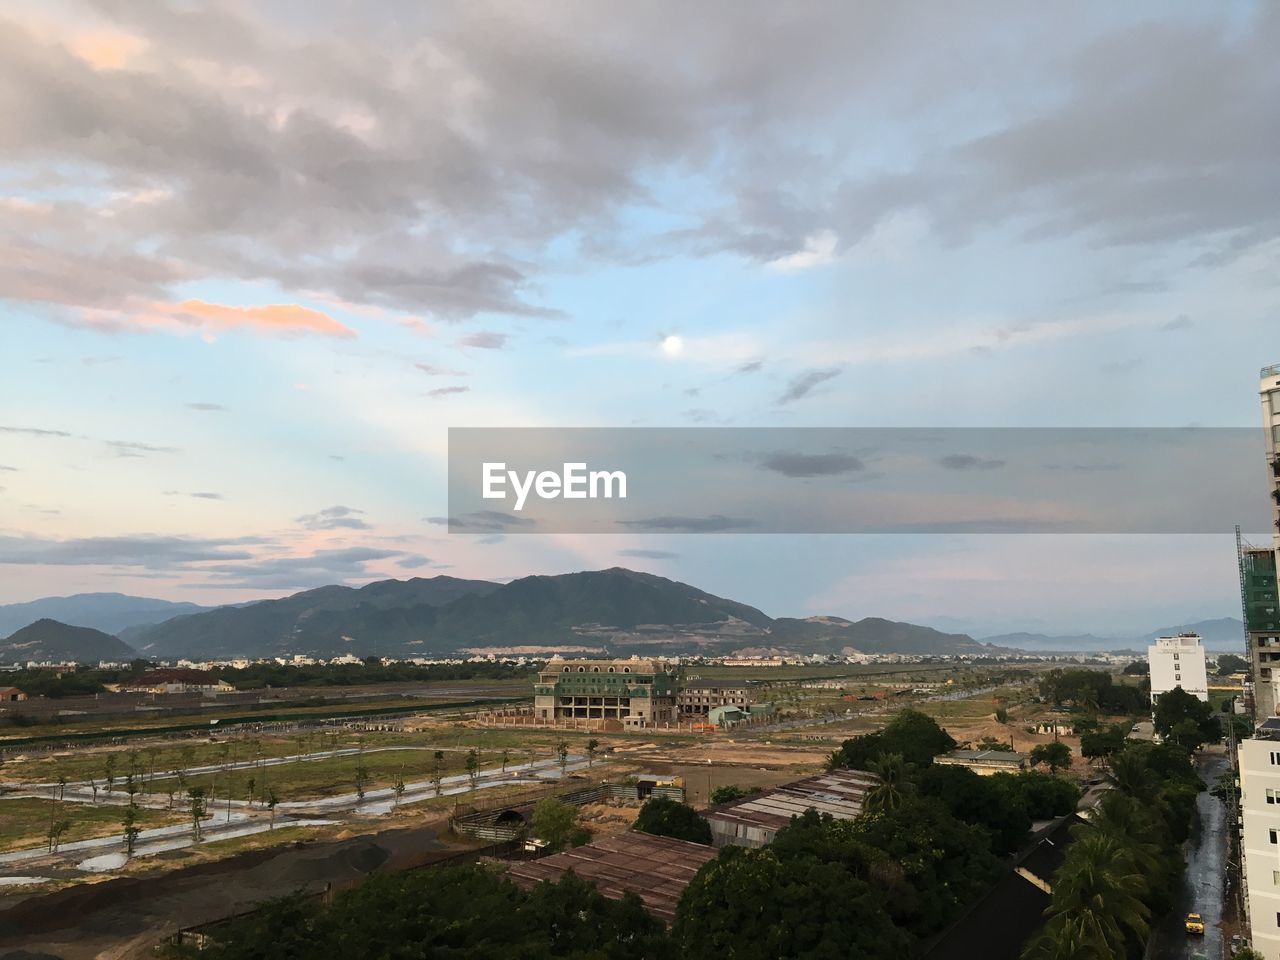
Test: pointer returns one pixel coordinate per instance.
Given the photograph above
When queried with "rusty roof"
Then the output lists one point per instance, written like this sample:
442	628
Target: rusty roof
656	869
839	792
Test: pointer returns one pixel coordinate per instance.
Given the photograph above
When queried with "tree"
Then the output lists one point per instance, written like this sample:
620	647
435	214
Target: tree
664	817
362	777
562	755
1229	663
131	828
56	829
754	905
272	800
506	756
556	822
592	746
1056	756
982	801
1040	795
895	784
914	735
473	767
1100	888
730	792
1186	720
435	773
110	764
195	804
1138	668
1002	715
399	788
1103	744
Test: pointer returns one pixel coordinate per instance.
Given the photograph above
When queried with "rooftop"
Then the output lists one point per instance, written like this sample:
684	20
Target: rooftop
985	756
840	793
656	869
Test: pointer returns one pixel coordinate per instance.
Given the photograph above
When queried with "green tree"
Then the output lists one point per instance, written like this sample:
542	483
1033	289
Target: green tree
435	771
730	792
914	735
1229	663
131	828
56	829
473	767
562	755
506	757
982	801
1103	744
752	905
895	783
272	800
362	778
398	788
556	822
196	807
1056	756
592	746
664	817
1186	720
1100	888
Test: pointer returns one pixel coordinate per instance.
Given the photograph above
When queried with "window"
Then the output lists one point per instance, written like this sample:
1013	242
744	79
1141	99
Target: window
1177	676
1272	831
1273	795
1275	877
1175	656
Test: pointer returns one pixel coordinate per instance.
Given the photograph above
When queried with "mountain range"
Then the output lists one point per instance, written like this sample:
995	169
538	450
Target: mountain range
614	611
1223	633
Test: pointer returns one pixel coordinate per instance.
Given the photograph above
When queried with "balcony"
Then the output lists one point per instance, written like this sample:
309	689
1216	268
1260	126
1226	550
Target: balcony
1271	371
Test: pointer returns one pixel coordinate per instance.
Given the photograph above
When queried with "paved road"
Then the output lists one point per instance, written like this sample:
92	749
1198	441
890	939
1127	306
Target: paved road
1202	887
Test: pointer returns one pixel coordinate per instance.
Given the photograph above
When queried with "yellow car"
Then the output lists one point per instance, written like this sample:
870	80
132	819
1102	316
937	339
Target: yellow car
1195	923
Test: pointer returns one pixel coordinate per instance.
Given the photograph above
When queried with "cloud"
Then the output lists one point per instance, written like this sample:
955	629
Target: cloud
446	391
334	518
412	561
320	568
206	407
965	461
485	340
434	371
811	465
8	468
712	524
818	251
801	385
649	554
199	494
130	448
35	432
143	550
282	318
488	521
751	366
1180	322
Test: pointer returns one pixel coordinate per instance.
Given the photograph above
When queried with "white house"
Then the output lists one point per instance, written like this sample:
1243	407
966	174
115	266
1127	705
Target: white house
1260	815
1178	662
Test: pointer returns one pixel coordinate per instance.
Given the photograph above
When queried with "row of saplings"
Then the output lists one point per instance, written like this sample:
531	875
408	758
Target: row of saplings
931	841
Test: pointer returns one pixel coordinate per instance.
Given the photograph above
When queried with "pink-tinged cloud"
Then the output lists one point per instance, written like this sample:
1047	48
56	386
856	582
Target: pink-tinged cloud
283	318
446	391
107	50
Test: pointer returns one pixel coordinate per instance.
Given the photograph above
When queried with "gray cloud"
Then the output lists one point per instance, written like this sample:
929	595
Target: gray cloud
412	561
485	340
293	573
334	518
433	371
811	465
145	550
447	391
206	407
801	385
712	524
7	468
966	461
488	521
129	448
199	494
35	432
649	554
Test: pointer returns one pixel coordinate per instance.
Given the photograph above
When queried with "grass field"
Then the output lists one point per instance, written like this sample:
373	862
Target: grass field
24	822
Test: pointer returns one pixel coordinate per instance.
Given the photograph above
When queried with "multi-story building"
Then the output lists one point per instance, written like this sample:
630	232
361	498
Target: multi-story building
1259	757
698	697
637	692
1178	662
1259	760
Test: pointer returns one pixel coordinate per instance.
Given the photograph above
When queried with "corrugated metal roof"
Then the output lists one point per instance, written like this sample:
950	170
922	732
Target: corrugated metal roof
840	793
656	869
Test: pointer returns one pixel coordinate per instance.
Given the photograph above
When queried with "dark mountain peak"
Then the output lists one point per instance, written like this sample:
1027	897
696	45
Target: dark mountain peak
52	640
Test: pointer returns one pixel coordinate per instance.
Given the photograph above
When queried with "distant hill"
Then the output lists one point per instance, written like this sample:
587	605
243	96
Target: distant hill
380	618
109	612
617	611
53	641
1224	633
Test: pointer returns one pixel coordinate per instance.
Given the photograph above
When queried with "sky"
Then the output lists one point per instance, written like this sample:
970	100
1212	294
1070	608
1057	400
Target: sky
256	259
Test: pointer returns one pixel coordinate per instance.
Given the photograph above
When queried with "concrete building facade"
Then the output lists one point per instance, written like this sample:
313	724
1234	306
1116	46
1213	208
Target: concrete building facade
637	692
1259	760
984	762
698	697
1178	662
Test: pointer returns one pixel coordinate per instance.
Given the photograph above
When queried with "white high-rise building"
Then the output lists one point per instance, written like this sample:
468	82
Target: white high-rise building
1259	757
1178	662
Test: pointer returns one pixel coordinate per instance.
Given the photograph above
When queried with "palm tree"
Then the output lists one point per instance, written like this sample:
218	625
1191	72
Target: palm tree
1101	887
1065	938
1132	776
894	787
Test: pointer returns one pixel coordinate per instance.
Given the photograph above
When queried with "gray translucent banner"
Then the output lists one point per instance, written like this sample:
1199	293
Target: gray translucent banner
856	480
